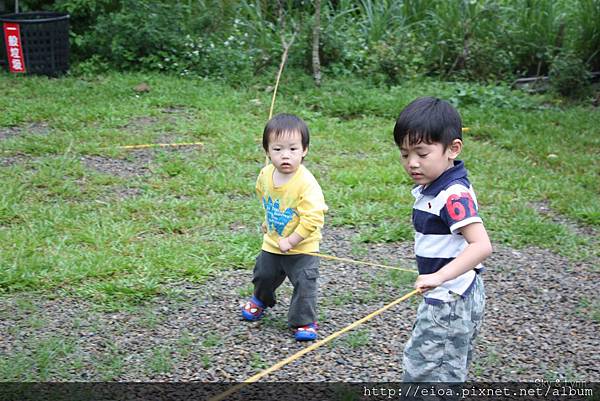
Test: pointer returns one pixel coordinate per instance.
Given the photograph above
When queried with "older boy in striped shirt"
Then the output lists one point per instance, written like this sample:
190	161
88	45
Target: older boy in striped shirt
450	243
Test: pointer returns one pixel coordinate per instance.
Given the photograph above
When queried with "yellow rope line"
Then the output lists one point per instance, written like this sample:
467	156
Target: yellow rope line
286	48
320	255
316	345
281	65
161	145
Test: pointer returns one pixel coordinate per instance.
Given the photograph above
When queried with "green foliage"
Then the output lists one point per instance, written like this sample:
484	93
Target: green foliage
569	75
160	361
385	41
342	46
539	30
141	34
379	18
586	21
212	340
45	358
233	57
357	339
398	58
460	37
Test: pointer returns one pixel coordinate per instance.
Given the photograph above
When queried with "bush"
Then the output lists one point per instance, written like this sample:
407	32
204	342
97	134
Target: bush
397	58
384	40
569	75
586	21
233	57
140	35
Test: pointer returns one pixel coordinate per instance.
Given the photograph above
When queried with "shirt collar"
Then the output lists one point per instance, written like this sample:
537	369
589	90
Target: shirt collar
454	173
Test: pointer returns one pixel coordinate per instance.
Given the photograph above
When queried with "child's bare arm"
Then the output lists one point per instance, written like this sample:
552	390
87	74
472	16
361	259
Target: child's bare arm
477	250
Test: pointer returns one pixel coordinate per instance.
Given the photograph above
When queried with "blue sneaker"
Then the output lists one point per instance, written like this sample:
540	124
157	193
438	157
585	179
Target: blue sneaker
253	310
306	333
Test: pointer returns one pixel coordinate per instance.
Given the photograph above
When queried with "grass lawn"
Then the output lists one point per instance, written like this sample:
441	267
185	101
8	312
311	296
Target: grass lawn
81	216
84	221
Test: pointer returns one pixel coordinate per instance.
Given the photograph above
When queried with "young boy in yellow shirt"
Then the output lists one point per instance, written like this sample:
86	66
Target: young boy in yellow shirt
294	215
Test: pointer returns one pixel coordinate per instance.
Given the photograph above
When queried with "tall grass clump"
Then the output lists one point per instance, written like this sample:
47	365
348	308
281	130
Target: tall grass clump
539	31
586	21
462	39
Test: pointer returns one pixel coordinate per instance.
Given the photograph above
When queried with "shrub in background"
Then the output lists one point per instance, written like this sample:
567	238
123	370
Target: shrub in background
83	16
539	30
586	42
399	57
233	57
569	75
463	39
382	40
140	35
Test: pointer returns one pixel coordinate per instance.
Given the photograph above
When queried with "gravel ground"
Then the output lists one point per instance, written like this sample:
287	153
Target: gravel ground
537	325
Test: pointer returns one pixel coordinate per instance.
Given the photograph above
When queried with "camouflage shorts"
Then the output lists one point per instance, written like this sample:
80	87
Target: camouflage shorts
441	344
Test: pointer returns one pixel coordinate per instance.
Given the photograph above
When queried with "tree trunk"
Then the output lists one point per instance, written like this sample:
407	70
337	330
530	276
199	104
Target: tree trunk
316	62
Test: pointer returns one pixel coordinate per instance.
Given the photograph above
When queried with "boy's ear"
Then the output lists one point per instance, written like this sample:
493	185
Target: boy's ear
454	149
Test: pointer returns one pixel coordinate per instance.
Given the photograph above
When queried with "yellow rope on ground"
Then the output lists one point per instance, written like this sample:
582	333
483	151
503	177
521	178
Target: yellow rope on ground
316	345
161	145
320	255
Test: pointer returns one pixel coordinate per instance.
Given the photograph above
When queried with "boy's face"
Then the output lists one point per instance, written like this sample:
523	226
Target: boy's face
425	162
286	152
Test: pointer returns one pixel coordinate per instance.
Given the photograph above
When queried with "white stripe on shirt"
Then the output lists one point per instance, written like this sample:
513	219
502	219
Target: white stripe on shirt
439	245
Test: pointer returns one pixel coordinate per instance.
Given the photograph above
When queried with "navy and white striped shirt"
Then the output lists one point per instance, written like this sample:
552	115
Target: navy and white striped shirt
440	210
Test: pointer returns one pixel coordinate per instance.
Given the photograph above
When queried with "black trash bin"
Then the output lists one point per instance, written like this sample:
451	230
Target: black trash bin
44	42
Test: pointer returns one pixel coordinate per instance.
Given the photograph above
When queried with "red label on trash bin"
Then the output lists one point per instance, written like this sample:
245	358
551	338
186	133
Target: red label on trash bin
14	51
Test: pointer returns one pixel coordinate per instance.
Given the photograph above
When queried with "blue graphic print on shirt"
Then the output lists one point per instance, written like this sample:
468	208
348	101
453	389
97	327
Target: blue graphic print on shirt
276	219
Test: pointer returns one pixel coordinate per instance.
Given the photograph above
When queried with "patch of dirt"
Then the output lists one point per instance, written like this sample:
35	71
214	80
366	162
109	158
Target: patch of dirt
137	162
137	167
30	129
176	113
141	123
120	192
172	115
9	161
175	110
535	327
238	227
544	209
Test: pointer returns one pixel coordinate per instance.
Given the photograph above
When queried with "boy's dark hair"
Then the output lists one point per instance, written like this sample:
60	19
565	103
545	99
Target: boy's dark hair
282	123
429	120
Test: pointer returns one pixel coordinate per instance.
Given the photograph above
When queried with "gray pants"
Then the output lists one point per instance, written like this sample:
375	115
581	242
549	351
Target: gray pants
441	345
302	270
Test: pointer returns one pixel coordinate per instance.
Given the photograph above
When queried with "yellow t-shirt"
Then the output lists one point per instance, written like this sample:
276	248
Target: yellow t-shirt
297	206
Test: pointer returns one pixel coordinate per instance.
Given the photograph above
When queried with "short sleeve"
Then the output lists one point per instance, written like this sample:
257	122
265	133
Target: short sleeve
460	208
